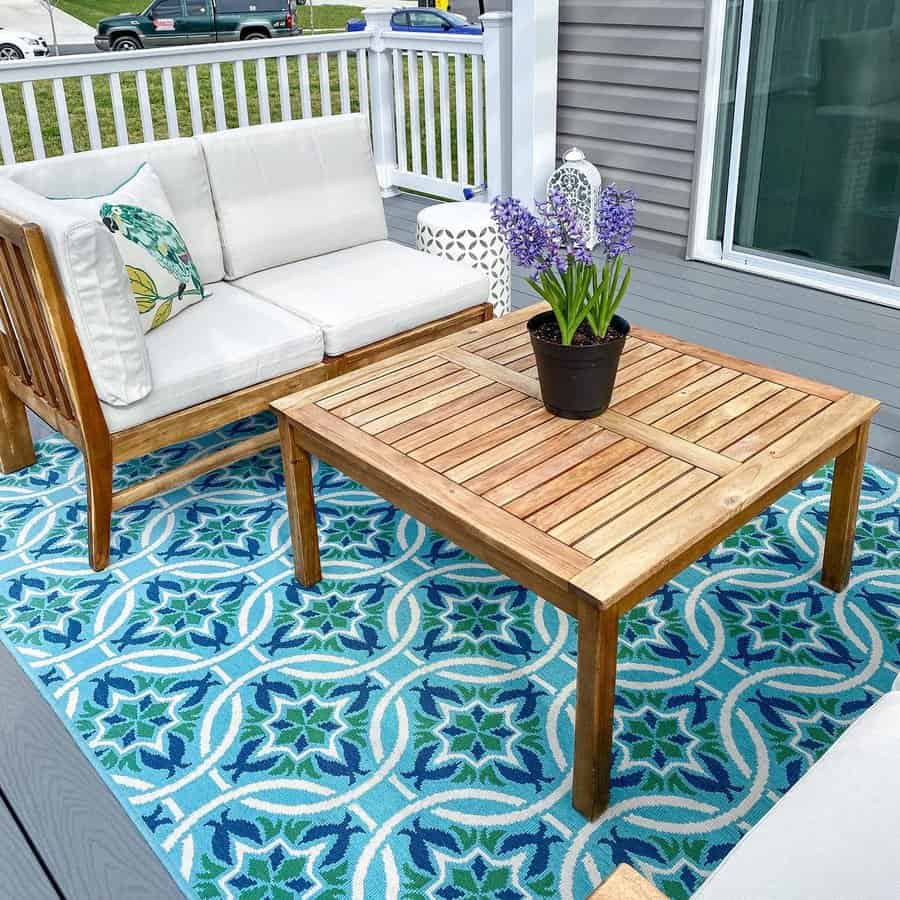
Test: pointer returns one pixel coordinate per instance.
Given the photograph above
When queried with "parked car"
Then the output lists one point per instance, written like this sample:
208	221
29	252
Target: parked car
167	23
430	21
20	45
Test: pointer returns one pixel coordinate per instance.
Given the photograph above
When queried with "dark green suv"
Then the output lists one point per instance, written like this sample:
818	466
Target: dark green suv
167	23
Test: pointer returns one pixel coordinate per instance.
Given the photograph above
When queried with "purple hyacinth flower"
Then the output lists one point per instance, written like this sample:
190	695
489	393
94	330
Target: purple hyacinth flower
521	230
615	221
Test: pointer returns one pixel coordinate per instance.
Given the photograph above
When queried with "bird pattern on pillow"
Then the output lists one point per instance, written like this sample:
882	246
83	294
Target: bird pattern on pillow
164	243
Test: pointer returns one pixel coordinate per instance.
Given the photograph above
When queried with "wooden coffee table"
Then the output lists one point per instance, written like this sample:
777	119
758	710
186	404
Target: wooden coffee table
591	515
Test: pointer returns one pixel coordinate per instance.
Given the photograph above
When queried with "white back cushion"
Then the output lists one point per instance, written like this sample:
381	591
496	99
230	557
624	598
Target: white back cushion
97	290
182	173
293	190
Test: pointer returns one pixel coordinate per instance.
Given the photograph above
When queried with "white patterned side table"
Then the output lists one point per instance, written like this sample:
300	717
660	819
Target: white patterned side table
465	232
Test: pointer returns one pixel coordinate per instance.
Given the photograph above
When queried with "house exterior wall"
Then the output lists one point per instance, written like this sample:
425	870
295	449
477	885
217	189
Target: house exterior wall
471	9
629	95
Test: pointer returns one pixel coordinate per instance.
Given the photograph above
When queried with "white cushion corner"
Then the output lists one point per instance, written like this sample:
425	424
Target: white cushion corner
821	838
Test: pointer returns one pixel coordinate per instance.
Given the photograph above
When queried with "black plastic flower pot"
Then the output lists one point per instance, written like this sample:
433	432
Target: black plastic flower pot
577	382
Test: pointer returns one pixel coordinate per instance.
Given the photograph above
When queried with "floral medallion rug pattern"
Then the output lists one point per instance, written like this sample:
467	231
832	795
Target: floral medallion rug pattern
405	728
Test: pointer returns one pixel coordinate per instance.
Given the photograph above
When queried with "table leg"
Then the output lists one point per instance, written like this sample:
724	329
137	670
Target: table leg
595	691
842	514
301	506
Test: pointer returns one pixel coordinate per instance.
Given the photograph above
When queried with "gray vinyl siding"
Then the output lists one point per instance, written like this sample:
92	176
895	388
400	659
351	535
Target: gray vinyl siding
629	90
471	9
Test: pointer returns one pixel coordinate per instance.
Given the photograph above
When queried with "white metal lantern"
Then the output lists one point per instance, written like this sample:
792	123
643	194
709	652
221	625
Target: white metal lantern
579	182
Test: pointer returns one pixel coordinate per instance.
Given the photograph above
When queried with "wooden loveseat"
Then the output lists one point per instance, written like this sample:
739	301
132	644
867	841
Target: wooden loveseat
286	225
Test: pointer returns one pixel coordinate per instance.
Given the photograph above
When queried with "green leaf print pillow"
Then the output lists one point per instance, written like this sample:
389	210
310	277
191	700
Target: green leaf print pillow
163	277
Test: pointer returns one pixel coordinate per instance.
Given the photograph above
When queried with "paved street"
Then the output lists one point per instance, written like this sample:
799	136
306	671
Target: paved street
73	49
31	15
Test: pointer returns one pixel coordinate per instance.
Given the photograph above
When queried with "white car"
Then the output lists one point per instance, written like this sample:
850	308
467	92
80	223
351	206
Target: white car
20	45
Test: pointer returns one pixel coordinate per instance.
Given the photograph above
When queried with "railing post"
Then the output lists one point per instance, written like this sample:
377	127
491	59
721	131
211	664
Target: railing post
381	106
535	69
498	101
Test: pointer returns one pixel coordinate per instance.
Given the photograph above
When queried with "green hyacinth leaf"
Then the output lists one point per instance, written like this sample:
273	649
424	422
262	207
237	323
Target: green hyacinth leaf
163	313
142	285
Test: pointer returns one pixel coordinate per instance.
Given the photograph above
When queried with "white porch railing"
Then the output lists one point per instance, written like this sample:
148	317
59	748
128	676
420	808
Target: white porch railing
438	104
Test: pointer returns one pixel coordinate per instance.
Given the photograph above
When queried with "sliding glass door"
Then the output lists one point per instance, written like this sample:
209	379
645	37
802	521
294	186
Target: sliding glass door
806	173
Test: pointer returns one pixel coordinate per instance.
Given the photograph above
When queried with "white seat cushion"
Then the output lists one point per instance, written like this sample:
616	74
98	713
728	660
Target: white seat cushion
97	292
837	830
369	292
229	342
292	190
181	168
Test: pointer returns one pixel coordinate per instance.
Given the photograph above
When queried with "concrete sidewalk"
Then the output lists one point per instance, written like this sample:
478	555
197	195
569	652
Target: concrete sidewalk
30	15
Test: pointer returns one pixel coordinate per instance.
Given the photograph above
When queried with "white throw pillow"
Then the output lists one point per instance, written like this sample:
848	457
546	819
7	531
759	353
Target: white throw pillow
163	277
96	289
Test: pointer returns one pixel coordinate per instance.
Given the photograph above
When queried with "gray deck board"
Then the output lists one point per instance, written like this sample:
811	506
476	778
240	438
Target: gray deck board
827	337
21	875
83	835
39	428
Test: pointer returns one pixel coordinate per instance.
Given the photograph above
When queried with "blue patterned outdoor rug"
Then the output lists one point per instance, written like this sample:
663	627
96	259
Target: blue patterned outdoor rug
405	729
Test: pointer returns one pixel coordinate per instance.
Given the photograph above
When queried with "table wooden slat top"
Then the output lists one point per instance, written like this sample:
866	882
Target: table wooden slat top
688	429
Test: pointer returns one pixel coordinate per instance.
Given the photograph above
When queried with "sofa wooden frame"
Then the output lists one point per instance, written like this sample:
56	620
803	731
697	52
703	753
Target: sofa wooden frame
42	367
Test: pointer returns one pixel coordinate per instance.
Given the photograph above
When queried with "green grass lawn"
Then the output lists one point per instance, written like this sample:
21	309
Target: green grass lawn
18	124
325	17
91	11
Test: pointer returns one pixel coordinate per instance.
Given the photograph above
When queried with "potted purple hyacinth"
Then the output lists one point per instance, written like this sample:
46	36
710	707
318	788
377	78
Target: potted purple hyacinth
577	344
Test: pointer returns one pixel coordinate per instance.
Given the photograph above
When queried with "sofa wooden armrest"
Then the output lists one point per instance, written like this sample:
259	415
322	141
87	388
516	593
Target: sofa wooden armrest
626	884
43	368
